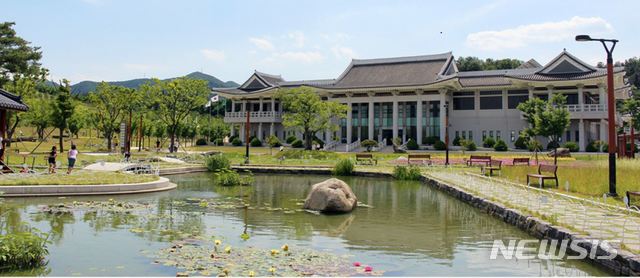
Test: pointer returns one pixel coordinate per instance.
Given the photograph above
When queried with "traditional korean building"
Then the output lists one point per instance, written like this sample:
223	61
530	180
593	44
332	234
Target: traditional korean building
8	102
407	98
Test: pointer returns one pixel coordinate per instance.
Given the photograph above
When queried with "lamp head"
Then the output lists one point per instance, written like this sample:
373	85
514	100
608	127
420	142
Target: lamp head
583	38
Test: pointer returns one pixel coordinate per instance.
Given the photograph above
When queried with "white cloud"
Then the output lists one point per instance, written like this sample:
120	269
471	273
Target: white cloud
213	54
263	44
298	38
300	56
143	67
342	52
546	32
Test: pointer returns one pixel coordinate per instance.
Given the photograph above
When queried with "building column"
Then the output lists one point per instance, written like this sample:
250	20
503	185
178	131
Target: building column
233	105
443	113
242	131
604	135
531	89
273	105
371	118
272	129
259	135
580	96
349	123
395	119
549	92
244	106
602	95
582	139
233	130
419	118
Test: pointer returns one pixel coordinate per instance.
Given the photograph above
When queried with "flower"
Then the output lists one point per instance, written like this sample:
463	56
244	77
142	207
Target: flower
218	242
227	249
356	264
272	269
251	273
368	269
274	252
285	248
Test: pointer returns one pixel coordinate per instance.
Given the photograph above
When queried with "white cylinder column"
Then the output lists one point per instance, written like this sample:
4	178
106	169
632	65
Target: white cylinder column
259	135
604	134
371	122
581	136
443	113
349	124
272	129
419	118
602	95
395	119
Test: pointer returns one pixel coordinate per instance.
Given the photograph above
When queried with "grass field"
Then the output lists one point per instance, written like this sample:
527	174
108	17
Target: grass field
80	177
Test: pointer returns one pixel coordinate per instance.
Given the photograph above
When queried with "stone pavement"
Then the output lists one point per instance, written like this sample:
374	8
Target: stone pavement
591	218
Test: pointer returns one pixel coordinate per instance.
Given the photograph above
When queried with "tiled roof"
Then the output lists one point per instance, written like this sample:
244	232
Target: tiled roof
11	101
272	79
565	76
490	77
318	82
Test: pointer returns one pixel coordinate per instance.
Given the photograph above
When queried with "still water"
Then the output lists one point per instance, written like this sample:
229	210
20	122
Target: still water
410	229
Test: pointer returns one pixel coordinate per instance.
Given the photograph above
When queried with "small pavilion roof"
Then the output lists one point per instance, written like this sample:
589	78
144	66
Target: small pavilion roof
10	101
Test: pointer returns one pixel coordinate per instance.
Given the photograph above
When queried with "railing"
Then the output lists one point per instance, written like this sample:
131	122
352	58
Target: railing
330	146
353	146
586	108
263	114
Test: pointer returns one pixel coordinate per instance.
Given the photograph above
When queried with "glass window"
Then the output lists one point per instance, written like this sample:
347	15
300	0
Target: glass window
491	133
470	135
577	136
572	98
463	103
513	136
498	135
568	135
487	103
464	134
457	134
515	100
484	135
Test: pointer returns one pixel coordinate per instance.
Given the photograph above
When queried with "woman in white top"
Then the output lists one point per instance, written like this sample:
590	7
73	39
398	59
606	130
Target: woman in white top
72	155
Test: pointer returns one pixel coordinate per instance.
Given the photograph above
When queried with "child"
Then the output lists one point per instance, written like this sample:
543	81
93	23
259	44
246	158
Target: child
52	160
72	155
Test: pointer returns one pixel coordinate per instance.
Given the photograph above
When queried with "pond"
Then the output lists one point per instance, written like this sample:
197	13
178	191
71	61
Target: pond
406	229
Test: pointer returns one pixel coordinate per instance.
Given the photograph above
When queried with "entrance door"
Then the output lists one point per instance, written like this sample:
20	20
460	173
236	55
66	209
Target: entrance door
388	135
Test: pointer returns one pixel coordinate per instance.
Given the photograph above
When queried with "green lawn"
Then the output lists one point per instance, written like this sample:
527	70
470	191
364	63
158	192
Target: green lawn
80	177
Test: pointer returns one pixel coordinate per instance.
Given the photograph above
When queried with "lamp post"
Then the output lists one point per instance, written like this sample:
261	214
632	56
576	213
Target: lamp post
610	108
446	133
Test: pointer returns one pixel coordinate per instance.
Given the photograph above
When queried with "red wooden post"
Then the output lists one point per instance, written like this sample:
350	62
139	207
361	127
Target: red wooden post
3	130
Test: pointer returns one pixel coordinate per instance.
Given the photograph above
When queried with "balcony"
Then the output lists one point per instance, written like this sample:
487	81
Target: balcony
587	111
256	117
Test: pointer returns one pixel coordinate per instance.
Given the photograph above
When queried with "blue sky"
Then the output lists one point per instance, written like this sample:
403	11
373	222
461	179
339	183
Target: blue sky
118	40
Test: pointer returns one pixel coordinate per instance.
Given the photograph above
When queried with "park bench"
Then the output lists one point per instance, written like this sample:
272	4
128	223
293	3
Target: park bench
366	158
4	169
494	165
629	201
521	160
424	159
551	174
479	159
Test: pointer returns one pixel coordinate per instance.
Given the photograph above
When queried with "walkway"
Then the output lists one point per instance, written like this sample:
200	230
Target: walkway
591	218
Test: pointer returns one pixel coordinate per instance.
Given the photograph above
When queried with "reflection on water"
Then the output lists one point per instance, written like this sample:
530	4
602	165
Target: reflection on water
410	228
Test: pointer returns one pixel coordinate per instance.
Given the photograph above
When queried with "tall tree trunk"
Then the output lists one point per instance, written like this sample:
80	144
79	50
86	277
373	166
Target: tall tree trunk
173	142
11	131
308	140
109	142
60	139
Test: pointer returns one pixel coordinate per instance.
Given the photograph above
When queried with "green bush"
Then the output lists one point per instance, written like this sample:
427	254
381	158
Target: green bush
369	144
533	145
572	146
273	141
439	145
217	162
229	177
593	147
291	139
236	142
23	250
307	154
469	145
552	145
521	143
201	142
456	141
488	142
344	167
412	145
431	140
297	144
500	146
605	147
255	142
218	142
411	172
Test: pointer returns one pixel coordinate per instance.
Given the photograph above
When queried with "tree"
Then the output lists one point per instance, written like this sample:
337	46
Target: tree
476	64
217	129
631	107
308	113
175	100
108	101
17	58
63	108
553	121
632	71
25	88
79	119
39	114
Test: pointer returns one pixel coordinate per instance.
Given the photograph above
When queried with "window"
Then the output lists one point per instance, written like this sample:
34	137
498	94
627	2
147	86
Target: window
577	136
513	136
490	100
491	133
515	100
463	103
571	98
498	135
470	135
484	135
568	135
464	134
457	134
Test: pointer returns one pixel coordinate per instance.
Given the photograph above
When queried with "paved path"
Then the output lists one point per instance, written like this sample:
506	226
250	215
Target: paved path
108	166
592	218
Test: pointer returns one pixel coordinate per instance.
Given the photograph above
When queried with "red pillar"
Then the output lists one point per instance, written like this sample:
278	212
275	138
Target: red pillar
3	131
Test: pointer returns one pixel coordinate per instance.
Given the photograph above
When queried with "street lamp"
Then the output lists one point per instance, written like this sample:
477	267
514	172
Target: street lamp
446	133
610	108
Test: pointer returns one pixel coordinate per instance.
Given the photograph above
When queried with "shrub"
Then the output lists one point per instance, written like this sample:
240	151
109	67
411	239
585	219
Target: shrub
593	147
369	144
469	145
552	145
344	167
456	141
411	172
317	141
307	154
236	142
412	145
521	143
533	145
217	162
255	142
291	139
229	177
605	147
431	140
572	146
488	142
439	145
297	144
201	142
218	142
273	141
23	250
500	146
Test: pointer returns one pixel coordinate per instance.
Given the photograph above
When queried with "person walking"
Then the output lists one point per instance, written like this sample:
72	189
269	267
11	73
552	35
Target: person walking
72	155
52	160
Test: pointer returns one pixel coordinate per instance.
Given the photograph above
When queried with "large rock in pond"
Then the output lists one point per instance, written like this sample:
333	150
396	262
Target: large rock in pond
331	196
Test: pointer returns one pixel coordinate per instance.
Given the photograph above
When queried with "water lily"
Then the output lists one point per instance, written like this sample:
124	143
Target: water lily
285	248
356	264
274	252
368	268
251	273
272	269
218	242
227	249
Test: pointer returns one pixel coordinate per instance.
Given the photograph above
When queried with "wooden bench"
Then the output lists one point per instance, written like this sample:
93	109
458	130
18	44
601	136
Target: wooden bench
424	159
494	165
520	160
366	158
628	200
552	171
480	159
